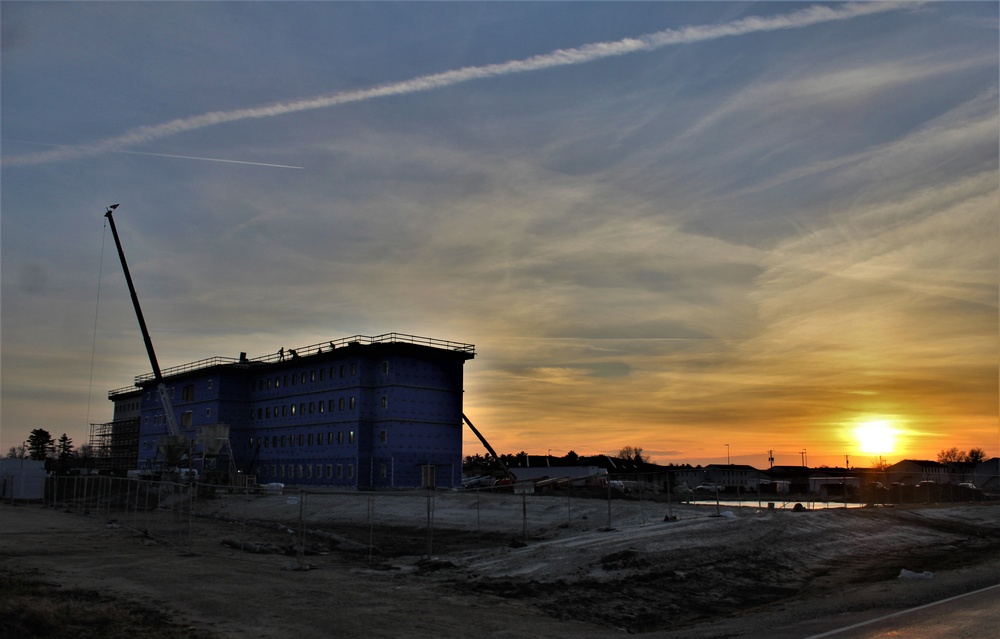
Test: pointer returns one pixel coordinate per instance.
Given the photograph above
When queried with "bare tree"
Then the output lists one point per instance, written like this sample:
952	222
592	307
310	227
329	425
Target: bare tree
632	453
18	452
879	464
976	456
84	452
952	454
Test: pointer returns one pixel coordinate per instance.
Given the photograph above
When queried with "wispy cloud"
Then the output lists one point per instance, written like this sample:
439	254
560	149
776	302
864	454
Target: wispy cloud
559	58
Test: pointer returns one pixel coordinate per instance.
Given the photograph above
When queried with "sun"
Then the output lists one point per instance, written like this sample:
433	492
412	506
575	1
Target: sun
876	436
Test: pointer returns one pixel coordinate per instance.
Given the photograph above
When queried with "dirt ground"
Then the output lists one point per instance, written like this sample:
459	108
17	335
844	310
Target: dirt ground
746	572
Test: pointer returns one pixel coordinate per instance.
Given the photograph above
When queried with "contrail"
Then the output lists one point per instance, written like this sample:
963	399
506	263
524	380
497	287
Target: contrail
559	58
95	150
204	159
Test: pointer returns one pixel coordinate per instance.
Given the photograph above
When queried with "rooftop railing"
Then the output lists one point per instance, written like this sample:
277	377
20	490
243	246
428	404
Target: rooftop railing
121	391
385	338
292	353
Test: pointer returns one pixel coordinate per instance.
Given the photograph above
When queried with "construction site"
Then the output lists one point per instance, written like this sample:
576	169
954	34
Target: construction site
278	562
319	491
373	412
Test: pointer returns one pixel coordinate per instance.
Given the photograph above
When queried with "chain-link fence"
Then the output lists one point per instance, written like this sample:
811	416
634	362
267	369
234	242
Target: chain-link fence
374	526
883	488
273	519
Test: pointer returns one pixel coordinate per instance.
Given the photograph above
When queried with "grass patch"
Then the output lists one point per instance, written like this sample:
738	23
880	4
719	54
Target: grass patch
31	608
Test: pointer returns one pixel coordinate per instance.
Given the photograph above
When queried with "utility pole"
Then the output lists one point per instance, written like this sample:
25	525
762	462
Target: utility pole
728	462
770	458
802	454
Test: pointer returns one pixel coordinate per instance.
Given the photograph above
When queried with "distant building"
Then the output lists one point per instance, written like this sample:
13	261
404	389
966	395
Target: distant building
640	475
910	472
22	479
737	476
791	479
835	482
369	412
987	475
689	476
581	475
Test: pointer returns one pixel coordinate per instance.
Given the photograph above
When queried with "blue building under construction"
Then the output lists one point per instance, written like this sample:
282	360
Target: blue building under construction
361	412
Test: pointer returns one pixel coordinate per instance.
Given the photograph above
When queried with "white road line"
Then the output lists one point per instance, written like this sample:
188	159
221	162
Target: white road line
899	614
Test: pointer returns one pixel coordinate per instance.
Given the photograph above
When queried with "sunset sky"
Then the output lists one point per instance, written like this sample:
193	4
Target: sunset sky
697	228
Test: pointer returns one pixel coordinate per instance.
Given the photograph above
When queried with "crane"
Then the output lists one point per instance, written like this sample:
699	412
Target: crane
503	467
174	437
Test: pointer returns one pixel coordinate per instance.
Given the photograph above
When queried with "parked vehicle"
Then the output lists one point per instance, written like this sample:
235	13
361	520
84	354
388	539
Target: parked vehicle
187	474
712	488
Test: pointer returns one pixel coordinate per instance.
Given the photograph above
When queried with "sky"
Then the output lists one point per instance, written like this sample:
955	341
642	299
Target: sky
718	232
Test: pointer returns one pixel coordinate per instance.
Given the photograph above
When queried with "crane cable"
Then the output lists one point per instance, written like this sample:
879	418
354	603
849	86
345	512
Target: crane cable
97	306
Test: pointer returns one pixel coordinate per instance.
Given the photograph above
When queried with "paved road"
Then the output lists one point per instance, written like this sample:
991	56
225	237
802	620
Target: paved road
973	616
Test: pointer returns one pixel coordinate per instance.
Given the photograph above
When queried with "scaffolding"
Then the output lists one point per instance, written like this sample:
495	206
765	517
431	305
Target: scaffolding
115	446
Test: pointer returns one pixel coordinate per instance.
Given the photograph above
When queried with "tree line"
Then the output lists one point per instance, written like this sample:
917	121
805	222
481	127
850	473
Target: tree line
974	457
953	455
626	453
41	446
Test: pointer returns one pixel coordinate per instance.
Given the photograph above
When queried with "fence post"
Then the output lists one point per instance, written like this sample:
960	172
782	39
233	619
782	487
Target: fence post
192	493
670	497
642	511
138	491
524	516
300	555
430	523
86	485
145	507
609	501
371	526
128	495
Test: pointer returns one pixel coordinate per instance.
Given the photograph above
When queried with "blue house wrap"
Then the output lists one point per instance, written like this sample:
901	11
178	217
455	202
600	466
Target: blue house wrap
364	412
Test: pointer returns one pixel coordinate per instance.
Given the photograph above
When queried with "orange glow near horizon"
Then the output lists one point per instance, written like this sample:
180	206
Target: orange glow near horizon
859	440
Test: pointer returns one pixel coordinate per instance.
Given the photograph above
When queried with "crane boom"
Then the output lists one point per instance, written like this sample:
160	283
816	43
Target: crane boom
503	466
161	388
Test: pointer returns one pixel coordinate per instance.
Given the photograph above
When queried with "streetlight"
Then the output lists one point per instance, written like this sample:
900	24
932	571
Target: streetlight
728	463
803	455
